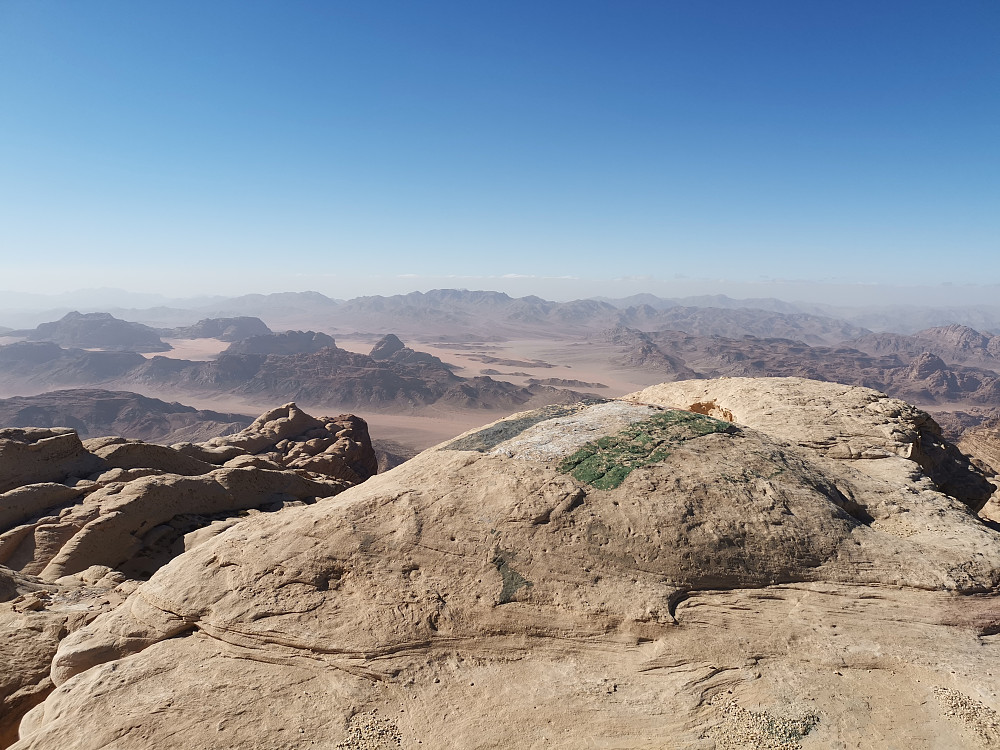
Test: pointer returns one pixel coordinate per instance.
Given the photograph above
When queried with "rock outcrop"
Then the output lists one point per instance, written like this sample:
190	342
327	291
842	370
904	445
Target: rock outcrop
772	565
82	521
29	455
835	421
106	501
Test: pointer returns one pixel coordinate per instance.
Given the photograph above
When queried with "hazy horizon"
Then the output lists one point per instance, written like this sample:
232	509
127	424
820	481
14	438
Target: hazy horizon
794	292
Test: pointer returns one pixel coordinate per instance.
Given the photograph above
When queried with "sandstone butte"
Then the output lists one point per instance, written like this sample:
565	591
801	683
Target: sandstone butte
732	563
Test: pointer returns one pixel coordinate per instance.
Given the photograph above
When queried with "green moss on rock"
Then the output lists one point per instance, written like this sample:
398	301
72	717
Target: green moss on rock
606	462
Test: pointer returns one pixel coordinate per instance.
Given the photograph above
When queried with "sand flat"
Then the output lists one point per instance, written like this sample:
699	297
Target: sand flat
198	350
572	359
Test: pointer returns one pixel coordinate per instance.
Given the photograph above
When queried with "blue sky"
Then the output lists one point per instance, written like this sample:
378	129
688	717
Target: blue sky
374	147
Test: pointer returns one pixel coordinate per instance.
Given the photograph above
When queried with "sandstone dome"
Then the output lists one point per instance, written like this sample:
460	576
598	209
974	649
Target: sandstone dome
771	563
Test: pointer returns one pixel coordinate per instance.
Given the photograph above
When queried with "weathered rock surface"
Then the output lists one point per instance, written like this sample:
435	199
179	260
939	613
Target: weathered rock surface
984	443
615	574
34	617
29	455
81	522
836	421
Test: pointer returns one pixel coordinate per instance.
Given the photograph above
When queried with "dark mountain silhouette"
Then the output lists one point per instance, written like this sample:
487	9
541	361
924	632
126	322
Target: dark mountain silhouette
93	412
97	331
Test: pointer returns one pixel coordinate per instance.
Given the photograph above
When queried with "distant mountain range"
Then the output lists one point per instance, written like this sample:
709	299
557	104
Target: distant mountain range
463	315
443	314
300	366
460	312
952	365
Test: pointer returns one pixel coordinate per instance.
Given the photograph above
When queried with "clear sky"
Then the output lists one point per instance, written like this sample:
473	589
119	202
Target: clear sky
235	146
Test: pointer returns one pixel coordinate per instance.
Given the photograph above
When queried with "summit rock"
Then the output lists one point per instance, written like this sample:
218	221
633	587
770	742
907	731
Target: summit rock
716	564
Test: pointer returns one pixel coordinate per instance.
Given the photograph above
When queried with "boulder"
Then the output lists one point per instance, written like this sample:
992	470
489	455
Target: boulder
142	499
34	616
835	421
29	455
135	454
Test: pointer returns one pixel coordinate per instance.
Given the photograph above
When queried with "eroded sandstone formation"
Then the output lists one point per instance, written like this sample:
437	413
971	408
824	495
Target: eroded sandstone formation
81	522
733	563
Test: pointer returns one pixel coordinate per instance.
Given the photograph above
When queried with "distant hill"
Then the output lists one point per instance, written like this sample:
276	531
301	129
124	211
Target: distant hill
97	331
906	319
224	329
94	412
720	301
289	342
955	344
909	319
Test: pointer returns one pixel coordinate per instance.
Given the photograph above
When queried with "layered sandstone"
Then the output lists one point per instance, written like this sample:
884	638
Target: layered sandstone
773	564
82	522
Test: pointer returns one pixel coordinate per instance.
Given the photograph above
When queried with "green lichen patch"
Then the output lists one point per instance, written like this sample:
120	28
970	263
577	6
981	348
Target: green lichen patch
511	580
490	437
606	462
